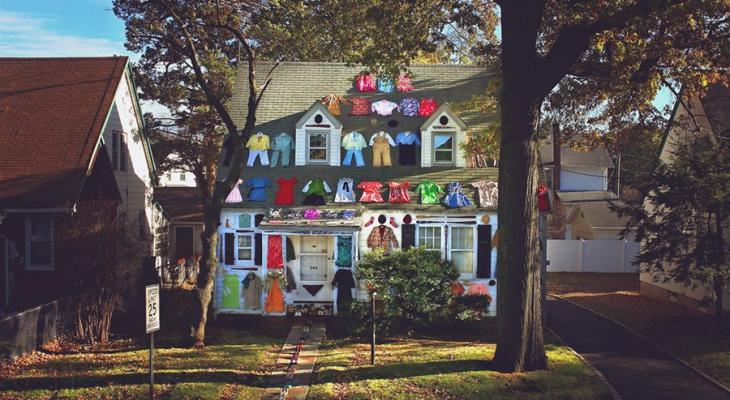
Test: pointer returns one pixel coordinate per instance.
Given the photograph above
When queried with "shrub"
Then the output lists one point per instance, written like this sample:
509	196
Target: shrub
413	289
471	307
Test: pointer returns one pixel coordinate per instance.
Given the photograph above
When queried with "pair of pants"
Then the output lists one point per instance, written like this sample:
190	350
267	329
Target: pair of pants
284	158
263	156
381	154
359	161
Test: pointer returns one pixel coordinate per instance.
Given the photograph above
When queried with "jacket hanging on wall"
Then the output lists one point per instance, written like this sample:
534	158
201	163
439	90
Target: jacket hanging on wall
344	282
382	237
252	288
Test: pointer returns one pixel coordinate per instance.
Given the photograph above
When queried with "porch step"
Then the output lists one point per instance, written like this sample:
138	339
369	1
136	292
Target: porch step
294	366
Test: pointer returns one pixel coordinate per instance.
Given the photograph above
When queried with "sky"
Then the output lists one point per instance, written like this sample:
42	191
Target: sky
56	28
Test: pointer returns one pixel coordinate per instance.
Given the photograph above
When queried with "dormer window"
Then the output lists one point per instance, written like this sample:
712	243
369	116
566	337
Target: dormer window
318	137
440	137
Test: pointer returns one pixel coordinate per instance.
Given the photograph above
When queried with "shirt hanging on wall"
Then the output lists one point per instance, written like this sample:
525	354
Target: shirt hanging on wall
345	191
257	188
258	142
488	193
399	192
384	107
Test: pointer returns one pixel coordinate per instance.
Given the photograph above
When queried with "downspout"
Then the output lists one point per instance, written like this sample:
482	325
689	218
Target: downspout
556	156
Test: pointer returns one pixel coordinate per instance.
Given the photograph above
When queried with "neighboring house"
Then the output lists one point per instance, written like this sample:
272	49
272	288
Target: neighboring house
183	211
321	236
177	177
70	131
697	117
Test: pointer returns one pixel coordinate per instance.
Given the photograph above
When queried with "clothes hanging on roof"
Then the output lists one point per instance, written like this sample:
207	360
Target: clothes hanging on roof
407	142
315	190
384	107
455	198
488	193
430	192
345	191
399	192
409	107
257	188
235	195
285	195
344	282
383	238
370	192
283	145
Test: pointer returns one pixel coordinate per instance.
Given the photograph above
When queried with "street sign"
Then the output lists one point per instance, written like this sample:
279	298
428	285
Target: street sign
152	308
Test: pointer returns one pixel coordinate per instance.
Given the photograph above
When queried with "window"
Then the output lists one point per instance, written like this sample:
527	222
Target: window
430	237
548	174
39	243
317	146
444	147
119	151
244	244
461	248
182	177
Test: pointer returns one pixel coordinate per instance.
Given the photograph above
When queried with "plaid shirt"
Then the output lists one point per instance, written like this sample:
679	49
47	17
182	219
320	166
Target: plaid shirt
382	237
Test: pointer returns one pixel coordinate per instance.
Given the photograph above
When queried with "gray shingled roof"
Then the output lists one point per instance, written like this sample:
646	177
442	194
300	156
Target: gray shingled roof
296	86
599	215
717	107
181	204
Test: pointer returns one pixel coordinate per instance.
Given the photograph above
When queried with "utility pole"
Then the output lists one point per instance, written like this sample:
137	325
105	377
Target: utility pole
618	176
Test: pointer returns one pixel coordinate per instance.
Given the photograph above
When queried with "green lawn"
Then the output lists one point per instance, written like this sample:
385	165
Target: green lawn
232	366
701	340
444	369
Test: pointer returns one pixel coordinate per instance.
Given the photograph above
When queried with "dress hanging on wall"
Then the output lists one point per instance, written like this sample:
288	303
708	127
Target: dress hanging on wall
274	285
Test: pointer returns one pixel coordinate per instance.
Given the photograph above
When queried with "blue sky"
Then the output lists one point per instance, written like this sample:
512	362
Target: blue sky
35	28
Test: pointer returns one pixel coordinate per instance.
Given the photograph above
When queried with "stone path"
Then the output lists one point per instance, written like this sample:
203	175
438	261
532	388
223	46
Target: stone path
635	368
290	380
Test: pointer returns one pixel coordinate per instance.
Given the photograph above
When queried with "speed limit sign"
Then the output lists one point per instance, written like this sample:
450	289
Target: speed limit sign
152	308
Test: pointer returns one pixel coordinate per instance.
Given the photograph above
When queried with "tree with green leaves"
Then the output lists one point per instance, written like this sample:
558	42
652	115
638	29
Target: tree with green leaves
683	221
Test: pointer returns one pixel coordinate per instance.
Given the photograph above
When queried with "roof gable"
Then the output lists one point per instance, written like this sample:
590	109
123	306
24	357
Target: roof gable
444	109
52	114
318	107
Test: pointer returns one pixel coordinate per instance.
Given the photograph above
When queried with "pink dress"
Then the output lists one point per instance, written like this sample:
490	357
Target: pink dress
235	195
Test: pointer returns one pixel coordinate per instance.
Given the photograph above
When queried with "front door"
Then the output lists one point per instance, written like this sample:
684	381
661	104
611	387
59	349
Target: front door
314	269
183	242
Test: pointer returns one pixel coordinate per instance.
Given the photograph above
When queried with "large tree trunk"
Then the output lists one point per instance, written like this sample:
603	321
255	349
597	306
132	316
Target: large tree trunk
521	345
208	268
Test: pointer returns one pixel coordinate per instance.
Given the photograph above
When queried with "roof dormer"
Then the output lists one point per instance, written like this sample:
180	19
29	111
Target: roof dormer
318	137
440	137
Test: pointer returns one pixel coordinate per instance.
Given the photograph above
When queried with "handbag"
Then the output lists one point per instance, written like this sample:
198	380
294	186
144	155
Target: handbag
365	83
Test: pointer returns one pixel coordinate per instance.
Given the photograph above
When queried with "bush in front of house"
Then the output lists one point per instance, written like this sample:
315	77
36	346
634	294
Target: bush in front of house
413	290
471	307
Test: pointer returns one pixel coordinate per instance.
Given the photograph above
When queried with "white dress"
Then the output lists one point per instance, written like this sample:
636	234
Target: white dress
345	191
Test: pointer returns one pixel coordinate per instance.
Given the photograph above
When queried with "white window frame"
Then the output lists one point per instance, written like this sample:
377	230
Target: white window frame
119	151
450	250
238	248
317	131
454	147
29	266
443	235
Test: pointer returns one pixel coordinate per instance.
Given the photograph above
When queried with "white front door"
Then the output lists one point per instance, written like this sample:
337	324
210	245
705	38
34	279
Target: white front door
314	269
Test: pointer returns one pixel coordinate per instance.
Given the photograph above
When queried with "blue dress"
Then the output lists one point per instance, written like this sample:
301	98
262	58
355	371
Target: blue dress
257	188
454	197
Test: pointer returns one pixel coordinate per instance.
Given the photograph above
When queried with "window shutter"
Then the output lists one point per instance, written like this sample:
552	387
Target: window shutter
484	251
257	219
258	248
408	236
229	242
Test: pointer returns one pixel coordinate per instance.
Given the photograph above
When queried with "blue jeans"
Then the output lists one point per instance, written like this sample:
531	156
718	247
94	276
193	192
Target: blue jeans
359	161
284	158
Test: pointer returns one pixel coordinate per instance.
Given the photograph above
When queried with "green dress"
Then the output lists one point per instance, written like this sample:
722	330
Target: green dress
231	292
316	186
344	252
430	192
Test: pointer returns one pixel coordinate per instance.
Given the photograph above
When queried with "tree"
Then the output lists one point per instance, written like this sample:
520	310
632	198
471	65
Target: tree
683	219
189	54
97	256
614	53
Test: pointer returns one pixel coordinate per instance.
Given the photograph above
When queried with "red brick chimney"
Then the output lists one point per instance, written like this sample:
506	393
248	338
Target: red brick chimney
556	156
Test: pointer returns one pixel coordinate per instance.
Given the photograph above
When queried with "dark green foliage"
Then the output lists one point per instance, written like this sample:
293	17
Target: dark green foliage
470	307
682	222
413	289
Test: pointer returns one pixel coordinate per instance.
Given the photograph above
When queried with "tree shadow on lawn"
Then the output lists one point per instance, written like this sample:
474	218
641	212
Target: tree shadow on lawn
163	377
401	370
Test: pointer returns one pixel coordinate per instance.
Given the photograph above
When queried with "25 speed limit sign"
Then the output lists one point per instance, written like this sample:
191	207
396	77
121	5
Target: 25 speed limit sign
152	308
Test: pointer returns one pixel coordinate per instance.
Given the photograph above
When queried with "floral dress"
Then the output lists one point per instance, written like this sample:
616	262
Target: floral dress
370	192
455	198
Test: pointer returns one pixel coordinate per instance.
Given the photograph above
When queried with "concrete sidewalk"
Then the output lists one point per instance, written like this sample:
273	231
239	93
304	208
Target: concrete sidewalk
635	368
304	367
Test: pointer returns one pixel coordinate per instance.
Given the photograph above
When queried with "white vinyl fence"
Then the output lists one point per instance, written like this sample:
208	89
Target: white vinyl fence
591	255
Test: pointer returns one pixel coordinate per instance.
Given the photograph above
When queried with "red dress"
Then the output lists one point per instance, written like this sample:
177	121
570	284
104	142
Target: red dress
399	192
274	257
285	195
370	192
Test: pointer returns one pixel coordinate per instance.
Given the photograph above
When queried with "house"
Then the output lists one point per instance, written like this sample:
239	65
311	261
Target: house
70	131
313	244
177	177
692	117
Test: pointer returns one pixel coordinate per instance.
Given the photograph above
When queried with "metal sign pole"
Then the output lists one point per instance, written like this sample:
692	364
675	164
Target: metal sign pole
152	365
372	342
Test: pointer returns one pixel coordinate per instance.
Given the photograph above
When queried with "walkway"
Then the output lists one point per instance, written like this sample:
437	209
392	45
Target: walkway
295	364
634	368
